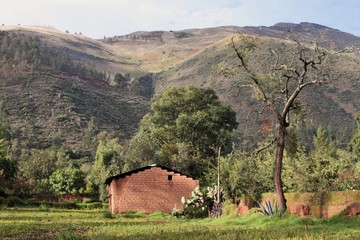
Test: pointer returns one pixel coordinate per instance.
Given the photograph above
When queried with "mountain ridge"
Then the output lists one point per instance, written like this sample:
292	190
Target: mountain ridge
156	59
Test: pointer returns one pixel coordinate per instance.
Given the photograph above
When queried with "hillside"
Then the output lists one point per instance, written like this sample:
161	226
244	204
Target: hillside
50	90
332	105
70	78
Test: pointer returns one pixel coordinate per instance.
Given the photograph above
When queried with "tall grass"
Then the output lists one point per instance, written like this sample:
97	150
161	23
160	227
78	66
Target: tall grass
34	223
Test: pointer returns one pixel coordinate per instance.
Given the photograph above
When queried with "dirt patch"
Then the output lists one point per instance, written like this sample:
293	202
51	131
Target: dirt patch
45	234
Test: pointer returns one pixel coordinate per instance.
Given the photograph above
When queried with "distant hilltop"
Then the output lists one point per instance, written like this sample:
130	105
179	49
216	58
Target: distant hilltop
112	79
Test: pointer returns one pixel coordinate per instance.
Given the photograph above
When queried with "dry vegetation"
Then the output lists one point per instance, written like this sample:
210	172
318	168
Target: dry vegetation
191	57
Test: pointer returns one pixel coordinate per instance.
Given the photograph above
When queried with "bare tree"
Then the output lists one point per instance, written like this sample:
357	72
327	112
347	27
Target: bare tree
278	90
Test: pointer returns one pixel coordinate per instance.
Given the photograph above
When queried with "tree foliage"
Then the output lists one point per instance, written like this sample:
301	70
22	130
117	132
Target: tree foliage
244	175
89	140
7	167
185	128
354	144
122	81
324	168
324	158
19	50
69	180
26	53
109	161
38	164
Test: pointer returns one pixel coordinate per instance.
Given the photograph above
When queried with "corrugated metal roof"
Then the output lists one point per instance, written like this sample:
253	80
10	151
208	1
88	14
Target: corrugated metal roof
109	179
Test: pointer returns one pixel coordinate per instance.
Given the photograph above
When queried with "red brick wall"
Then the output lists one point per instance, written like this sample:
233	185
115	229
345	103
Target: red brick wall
150	191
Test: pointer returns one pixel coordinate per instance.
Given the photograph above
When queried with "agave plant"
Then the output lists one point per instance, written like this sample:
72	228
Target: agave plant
270	209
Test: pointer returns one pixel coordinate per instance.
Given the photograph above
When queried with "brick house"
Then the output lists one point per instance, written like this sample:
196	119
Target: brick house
149	189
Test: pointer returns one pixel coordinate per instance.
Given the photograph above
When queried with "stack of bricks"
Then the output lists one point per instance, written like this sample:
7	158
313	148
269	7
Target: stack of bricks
151	190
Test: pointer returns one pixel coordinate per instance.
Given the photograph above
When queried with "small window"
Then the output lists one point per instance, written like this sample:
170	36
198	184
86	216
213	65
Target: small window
169	177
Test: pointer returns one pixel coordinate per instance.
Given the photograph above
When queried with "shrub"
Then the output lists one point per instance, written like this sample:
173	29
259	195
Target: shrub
159	215
43	207
195	206
132	214
93	205
107	214
176	212
229	209
88	200
195	212
3	201
105	205
32	203
65	205
14	201
339	218
182	34
3	193
201	205
270	209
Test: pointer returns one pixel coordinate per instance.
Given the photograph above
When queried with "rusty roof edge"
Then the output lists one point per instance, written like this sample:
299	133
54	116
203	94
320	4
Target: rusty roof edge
122	175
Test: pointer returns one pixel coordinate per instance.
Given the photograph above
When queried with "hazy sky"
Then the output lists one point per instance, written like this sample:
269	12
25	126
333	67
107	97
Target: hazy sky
99	18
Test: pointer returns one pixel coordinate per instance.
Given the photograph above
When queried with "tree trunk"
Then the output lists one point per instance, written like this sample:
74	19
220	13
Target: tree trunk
218	176
278	165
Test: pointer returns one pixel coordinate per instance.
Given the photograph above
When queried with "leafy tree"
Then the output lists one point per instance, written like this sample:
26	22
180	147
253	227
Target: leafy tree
67	181
316	171
143	85
323	145
4	126
354	144
297	172
244	175
348	177
139	151
89	137
109	161
38	164
35	166
185	128
279	88
325	168
324	162
7	167
122	81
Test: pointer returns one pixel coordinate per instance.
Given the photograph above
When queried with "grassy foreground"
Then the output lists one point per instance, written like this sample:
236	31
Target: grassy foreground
37	223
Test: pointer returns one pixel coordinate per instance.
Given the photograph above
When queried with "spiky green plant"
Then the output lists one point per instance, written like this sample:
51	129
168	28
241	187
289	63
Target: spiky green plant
270	209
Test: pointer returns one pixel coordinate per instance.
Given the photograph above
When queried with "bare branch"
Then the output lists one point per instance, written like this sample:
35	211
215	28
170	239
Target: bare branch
265	147
252	111
263	109
254	78
258	112
277	58
313	82
277	99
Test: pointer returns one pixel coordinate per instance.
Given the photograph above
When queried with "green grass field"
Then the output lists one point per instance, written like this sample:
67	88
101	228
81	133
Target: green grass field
47	223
